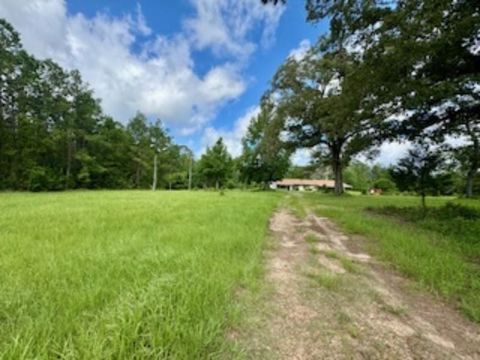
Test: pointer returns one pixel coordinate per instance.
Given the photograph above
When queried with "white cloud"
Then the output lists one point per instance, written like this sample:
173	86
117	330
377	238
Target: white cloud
302	157
224	25
390	153
142	26
302	49
232	138
160	80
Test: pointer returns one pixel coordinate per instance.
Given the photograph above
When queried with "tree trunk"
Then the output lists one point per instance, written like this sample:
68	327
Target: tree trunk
266	185
154	185
474	165
190	174
337	170
217	185
474	161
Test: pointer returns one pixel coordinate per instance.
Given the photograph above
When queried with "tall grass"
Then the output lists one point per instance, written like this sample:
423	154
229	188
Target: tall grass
423	250
125	274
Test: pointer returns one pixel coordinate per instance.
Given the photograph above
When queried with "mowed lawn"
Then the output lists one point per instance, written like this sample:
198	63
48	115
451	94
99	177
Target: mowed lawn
126	274
440	251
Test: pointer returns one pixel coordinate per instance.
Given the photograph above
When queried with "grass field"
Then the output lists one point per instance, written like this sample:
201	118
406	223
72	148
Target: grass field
136	274
440	250
126	274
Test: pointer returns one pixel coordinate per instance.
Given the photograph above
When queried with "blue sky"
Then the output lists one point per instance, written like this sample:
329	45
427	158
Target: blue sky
199	65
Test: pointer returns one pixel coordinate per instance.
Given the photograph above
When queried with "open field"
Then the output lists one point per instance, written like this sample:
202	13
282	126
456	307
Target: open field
125	274
136	274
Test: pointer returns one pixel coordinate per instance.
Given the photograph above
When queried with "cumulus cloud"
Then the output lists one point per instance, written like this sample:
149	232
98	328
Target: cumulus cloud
224	25
302	157
388	154
232	138
142	26
159	80
391	152
299	52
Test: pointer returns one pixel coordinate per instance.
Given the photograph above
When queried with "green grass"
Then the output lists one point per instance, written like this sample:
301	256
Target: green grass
347	264
311	239
394	310
438	253
326	280
455	222
126	274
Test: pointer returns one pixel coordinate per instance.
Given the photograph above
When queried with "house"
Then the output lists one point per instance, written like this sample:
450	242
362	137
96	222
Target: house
306	184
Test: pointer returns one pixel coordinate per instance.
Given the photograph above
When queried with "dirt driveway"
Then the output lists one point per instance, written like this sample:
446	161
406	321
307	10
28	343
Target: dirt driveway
329	299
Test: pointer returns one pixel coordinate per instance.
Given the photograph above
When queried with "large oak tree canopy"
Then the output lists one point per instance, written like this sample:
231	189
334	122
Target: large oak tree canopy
324	106
422	58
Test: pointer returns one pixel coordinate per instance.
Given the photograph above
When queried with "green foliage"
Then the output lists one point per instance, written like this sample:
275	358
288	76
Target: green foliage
364	177
320	98
468	157
42	179
216	165
418	61
359	175
54	136
385	184
421	171
265	157
326	280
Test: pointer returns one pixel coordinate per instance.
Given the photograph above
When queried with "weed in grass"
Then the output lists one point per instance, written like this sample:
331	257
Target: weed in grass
314	250
295	202
353	330
347	324
326	280
343	318
349	265
331	254
389	308
311	238
394	310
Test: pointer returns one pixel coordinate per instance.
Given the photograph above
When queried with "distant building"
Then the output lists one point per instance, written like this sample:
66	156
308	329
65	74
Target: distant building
375	191
306	185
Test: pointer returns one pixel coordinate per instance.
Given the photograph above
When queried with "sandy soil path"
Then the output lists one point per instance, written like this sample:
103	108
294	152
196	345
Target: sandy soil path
331	300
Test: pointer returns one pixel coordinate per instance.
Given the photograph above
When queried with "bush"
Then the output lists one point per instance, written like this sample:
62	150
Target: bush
42	179
384	184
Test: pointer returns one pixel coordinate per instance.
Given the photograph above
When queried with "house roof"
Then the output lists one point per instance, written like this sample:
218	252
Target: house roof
309	182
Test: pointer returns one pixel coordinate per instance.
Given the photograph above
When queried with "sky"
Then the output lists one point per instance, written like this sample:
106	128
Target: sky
201	66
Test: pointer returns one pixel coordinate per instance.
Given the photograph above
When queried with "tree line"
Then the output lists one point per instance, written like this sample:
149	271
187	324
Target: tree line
55	136
386	71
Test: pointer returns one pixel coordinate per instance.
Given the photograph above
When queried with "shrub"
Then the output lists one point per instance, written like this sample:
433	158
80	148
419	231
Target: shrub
384	184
